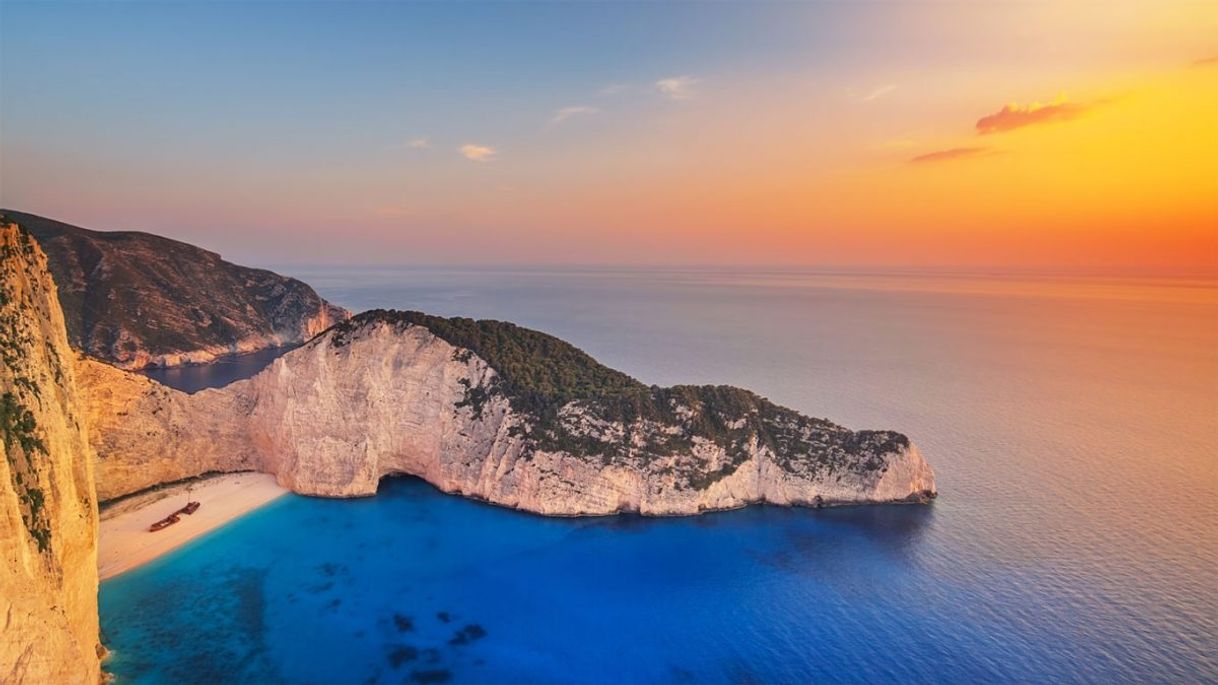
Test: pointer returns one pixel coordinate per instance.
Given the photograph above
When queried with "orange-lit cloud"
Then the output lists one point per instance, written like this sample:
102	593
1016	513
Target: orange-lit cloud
950	154
1207	62
477	153
879	92
1015	116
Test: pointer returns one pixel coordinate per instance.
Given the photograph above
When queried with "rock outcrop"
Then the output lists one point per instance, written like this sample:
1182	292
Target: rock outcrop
147	434
495	412
48	509
136	300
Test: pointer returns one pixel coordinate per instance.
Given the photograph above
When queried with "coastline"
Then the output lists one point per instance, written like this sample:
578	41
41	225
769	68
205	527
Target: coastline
124	541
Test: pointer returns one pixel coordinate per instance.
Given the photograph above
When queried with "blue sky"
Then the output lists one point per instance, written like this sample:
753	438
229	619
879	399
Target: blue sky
543	132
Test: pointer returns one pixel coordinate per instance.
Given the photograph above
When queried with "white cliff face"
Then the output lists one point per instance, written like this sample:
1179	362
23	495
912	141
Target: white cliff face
48	509
333	420
336	415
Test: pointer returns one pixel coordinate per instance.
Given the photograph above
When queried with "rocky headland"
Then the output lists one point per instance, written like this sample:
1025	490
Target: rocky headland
136	300
493	411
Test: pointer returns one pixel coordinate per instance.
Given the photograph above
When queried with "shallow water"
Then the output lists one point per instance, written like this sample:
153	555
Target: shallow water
1071	423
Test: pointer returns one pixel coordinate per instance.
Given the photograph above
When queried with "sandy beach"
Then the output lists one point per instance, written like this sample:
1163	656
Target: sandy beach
126	543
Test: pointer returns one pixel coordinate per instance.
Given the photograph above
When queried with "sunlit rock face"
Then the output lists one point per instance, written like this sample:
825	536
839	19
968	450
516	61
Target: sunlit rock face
547	430
146	434
48	509
137	300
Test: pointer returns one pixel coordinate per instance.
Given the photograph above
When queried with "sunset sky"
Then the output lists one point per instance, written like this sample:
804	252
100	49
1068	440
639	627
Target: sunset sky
841	134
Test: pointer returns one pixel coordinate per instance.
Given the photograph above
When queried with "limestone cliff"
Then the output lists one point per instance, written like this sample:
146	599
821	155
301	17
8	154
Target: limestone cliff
491	411
137	300
48	510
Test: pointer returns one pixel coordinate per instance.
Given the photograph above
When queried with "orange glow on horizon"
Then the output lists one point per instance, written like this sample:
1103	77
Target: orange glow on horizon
1131	178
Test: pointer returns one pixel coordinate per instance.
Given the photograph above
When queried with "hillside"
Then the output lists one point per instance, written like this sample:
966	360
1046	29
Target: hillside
135	299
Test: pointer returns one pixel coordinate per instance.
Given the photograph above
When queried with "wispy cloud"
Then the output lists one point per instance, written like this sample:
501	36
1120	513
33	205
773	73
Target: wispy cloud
574	110
879	92
412	144
1206	62
677	87
615	89
1015	116
950	154
477	153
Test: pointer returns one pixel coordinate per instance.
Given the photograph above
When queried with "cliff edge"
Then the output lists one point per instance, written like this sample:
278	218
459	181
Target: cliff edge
48	509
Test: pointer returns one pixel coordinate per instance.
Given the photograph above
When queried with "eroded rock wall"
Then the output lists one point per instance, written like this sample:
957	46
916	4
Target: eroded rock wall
48	509
146	434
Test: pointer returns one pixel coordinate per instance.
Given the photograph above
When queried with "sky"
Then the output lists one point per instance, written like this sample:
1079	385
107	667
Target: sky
900	134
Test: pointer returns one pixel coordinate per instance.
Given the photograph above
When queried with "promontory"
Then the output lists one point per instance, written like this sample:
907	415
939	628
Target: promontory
493	411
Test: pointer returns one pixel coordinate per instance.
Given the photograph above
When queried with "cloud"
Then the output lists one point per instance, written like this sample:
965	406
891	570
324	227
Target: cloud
615	89
568	112
950	154
1206	62
879	92
677	87
412	144
1015	116
477	153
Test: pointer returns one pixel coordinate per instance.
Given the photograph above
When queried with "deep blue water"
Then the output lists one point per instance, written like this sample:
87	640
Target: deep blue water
1073	426
217	374
382	590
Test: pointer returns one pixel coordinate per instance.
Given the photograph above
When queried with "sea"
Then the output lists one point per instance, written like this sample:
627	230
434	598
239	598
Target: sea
1072	422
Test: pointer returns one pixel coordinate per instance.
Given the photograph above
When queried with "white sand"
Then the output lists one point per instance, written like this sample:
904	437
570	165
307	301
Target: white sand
125	541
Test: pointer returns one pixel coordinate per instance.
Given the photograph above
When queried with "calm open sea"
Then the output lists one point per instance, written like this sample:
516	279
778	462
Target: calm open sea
1072	423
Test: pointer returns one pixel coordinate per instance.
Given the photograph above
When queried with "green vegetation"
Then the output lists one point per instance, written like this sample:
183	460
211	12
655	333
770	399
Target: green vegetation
475	398
18	426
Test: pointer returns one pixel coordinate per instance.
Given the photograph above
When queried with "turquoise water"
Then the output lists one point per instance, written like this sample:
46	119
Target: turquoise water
1072	424
414	582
